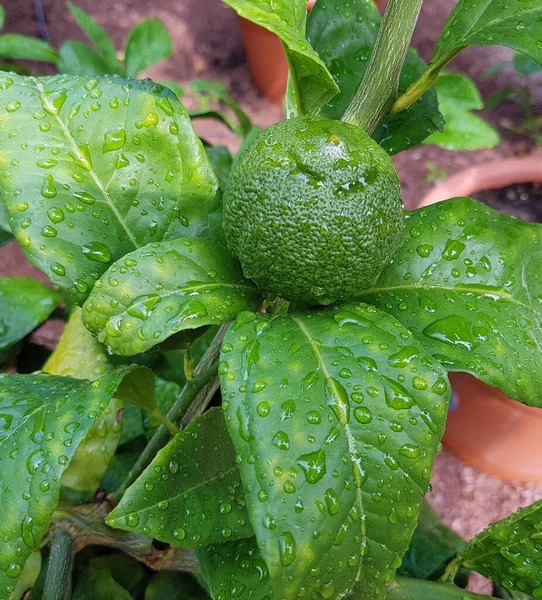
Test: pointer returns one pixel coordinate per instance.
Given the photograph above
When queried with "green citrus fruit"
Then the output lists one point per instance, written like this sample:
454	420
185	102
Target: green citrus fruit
313	210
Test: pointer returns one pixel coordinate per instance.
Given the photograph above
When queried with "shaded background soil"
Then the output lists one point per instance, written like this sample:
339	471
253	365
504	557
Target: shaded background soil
207	42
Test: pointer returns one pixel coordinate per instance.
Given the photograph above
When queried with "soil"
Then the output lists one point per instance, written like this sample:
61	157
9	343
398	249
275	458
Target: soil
523	201
208	45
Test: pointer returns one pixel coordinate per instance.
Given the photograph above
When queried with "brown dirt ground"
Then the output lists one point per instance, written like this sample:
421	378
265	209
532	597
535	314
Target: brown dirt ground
208	45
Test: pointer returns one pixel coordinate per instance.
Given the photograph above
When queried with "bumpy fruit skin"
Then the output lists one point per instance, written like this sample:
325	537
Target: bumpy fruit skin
313	210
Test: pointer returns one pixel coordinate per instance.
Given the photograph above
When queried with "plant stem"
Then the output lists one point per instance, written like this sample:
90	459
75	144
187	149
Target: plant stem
378	89
404	588
424	83
192	401
58	583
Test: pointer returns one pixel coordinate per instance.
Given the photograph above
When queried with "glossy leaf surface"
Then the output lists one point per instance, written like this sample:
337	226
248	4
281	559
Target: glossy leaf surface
458	96
432	546
191	493
235	570
515	23
44	418
509	551
78	354
99	39
164	288
336	416
106	166
148	43
467	282
24	304
344	37
287	19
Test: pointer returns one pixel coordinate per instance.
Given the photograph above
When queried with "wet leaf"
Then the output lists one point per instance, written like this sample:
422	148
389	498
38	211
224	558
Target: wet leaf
458	96
105	167
24	304
404	588
77	58
509	551
514	23
287	19
344	38
148	43
235	570
28	577
43	419
164	288
99	39
191	494
336	417
432	546
15	46
467	282
79	355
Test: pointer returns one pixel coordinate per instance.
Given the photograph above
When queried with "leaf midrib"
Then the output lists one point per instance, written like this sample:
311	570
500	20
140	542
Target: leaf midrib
96	179
349	435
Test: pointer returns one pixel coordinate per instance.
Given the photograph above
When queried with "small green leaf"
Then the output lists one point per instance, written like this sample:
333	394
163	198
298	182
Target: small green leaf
515	23
457	97
44	418
15	46
344	38
165	394
164	288
2	17
107	166
235	570
99	38
287	19
336	417
467	282
24	304
432	546
222	162
97	580
77	58
148	43
509	551
172	585
524	65
191	493
404	588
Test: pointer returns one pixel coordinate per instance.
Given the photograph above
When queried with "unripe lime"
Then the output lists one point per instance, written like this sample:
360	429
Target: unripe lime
313	210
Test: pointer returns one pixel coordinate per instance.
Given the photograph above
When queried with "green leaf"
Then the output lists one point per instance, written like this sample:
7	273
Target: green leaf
414	589
28	577
77	58
524	65
222	162
107	166
148	43
15	46
165	394
172	585
515	23
97	581
287	18
344	39
336	417
191	493
165	288
509	551
432	546
24	304
457	97
44	417
99	38
467	282
2	17
79	355
235	570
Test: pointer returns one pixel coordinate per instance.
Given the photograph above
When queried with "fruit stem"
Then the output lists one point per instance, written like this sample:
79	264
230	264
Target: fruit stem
378	89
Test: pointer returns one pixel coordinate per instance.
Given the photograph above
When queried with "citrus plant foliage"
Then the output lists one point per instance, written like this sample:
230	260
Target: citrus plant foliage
306	478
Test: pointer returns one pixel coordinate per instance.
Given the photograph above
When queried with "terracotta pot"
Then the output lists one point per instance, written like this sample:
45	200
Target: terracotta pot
266	59
485	428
